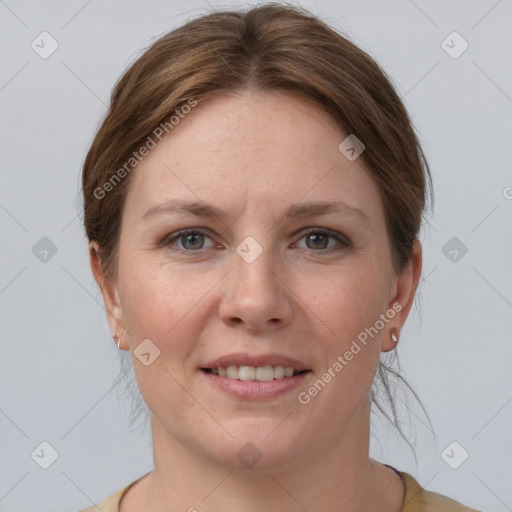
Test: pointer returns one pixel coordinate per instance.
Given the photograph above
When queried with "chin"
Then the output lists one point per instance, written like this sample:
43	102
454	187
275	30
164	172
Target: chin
259	447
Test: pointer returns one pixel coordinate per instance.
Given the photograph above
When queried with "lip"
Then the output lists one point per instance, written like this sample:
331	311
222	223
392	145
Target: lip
255	389
244	359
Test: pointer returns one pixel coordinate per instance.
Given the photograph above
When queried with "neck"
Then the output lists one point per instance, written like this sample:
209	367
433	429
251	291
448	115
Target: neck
335	473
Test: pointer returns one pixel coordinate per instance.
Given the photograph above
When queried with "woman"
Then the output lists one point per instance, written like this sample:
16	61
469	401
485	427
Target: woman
252	202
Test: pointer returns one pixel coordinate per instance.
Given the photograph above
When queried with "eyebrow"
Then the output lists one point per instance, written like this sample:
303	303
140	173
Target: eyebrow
201	209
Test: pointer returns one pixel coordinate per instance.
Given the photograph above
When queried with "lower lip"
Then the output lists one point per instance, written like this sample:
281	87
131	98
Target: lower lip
255	389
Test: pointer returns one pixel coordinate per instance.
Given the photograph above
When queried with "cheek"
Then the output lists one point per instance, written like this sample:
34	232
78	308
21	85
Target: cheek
146	305
167	305
159	305
348	305
344	309
348	301
155	296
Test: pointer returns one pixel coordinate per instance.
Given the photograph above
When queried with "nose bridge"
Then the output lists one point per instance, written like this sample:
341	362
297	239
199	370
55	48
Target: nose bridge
255	292
255	266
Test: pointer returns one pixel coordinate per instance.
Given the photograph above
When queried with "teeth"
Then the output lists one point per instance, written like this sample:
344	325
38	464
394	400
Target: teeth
279	372
259	373
264	373
246	372
232	372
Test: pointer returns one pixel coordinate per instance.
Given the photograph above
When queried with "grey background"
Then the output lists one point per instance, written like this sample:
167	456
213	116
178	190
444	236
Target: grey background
57	360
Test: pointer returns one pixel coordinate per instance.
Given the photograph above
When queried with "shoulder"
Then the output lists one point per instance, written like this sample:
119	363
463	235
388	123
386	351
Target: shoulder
109	504
418	499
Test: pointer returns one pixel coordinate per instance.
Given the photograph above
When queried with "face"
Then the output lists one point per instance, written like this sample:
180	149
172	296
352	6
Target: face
268	279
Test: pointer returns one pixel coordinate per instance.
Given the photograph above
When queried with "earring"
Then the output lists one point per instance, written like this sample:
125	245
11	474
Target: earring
118	341
395	336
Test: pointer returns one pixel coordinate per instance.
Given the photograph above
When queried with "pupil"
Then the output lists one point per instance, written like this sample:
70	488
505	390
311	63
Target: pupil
312	237
188	237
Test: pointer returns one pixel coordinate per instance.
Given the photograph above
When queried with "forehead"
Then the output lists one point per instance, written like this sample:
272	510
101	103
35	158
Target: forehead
270	149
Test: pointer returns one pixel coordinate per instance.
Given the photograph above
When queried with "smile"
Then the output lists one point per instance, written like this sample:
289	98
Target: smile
255	373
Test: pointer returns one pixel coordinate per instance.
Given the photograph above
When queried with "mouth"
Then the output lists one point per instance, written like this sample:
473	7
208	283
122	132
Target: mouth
255	377
263	367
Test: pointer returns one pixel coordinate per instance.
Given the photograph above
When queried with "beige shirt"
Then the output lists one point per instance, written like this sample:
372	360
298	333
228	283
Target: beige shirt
417	499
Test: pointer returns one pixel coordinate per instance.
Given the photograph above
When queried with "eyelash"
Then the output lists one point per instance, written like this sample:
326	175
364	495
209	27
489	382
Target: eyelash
344	243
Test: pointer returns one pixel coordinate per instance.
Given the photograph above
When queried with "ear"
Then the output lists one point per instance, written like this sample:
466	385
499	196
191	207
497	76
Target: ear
109	291
404	290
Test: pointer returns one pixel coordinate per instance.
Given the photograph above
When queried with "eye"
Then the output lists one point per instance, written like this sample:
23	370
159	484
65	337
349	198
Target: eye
319	239
190	239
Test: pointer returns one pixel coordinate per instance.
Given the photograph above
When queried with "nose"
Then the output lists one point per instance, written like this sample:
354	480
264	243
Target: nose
255	294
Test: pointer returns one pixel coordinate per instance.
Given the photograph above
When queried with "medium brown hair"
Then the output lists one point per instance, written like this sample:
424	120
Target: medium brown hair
270	47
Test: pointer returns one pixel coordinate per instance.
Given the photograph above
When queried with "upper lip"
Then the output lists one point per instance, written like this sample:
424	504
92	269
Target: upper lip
244	359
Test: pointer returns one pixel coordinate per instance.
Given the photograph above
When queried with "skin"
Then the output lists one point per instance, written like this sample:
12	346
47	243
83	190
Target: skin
253	155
